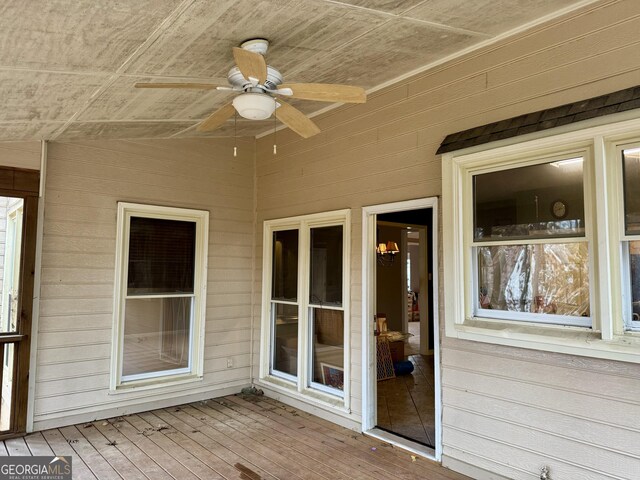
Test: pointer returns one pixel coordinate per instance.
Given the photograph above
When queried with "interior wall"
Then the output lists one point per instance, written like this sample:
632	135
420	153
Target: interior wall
389	288
85	180
529	407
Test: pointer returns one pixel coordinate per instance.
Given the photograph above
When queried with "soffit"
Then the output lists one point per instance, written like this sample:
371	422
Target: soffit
67	67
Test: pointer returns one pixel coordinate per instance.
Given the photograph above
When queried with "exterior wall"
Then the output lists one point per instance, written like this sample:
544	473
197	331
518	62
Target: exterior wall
506	410
85	180
20	155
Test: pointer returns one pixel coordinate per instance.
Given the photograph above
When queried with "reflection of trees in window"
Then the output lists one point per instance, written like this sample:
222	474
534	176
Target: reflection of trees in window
539	278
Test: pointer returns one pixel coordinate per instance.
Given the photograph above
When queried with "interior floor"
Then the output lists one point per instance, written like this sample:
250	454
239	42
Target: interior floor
406	404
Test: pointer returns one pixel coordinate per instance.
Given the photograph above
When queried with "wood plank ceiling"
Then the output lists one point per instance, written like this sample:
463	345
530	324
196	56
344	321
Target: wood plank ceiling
67	67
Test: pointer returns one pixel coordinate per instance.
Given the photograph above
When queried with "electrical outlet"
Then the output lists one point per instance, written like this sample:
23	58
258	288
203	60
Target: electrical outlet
229	362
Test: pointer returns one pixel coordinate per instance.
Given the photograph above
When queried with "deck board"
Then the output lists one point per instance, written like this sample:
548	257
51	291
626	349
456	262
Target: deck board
17	447
137	456
146	441
215	455
192	417
258	443
38	445
308	444
311	457
392	460
96	462
114	457
59	445
230	438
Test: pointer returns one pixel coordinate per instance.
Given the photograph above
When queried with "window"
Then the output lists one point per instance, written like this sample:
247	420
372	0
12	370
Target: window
160	294
306	304
630	155
542	242
529	245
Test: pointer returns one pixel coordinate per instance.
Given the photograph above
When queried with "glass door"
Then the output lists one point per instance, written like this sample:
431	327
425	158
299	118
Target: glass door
19	194
10	275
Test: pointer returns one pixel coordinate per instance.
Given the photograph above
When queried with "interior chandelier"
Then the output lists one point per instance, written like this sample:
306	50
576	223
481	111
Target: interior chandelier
386	253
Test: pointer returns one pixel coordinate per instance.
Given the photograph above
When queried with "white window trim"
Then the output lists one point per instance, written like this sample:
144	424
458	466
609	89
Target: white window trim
196	362
607	338
301	387
619	234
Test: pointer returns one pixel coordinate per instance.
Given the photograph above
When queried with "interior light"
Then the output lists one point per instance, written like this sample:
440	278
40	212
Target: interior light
254	106
386	253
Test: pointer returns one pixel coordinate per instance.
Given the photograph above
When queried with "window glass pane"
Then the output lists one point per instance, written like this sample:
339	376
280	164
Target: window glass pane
634	274
631	168
530	202
161	256
285	265
285	333
11	209
326	266
549	279
328	347
156	334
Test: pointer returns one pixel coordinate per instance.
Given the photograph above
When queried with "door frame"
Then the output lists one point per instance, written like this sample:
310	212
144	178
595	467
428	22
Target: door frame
369	381
25	184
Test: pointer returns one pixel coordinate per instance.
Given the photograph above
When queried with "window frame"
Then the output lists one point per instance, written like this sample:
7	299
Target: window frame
194	371
624	238
471	245
606	337
302	385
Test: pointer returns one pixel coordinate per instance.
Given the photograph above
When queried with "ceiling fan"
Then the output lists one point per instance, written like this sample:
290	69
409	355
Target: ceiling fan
260	89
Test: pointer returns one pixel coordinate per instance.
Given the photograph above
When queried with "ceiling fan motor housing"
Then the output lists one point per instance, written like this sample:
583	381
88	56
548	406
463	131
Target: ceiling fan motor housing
256	45
235	78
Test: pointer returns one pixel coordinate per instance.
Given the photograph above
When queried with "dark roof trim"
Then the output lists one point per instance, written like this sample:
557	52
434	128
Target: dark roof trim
608	104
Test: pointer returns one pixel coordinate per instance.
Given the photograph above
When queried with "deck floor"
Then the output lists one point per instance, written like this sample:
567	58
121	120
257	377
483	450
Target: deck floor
232	437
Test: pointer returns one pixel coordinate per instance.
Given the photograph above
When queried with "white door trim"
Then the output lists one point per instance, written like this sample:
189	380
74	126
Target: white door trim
369	404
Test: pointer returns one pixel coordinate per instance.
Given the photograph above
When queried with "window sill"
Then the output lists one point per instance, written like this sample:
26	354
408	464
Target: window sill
308	395
561	339
155	383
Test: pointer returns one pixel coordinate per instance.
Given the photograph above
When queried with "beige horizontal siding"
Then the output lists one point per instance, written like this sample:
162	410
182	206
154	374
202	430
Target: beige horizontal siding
508	411
84	183
21	155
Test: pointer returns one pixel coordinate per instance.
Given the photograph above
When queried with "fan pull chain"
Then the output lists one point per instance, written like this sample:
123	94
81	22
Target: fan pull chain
275	127
235	134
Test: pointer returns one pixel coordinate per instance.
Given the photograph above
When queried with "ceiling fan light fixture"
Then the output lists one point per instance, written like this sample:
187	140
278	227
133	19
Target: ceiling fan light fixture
254	106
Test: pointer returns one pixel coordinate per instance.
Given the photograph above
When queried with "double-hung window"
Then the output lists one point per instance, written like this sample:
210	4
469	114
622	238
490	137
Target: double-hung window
160	294
305	311
542	242
530	251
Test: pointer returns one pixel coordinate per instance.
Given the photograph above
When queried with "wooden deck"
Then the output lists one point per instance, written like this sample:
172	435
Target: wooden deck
225	438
